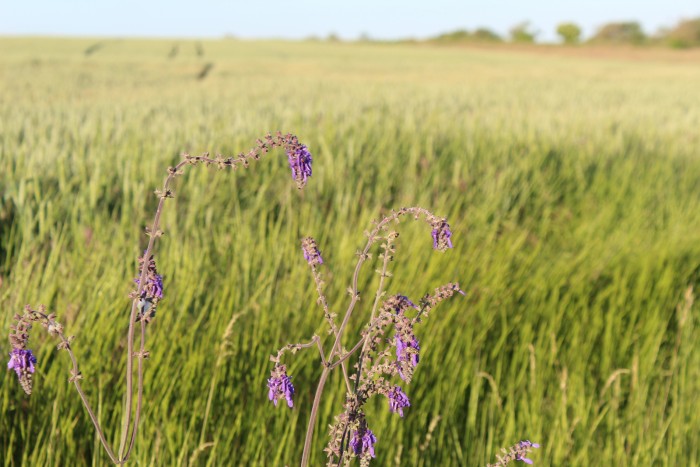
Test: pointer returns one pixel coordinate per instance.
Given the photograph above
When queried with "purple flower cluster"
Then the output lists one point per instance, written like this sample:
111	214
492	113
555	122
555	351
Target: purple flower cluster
280	386
362	441
300	161
398	400
23	361
517	452
403	354
442	235
311	253
402	303
407	345
525	447
153	290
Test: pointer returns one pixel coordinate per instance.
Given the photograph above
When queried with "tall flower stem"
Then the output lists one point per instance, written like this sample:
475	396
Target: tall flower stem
373	236
299	159
291	144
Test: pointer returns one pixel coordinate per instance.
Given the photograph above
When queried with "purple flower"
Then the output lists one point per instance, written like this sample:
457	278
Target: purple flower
524	447
311	253
402	303
362	442
398	400
402	352
441	235
154	286
22	361
154	282
517	452
280	386
300	162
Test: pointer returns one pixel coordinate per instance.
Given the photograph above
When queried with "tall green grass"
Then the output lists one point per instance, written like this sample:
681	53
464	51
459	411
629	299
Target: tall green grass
572	186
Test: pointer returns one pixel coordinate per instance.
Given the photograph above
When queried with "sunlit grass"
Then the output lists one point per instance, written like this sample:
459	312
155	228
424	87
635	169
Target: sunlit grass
572	185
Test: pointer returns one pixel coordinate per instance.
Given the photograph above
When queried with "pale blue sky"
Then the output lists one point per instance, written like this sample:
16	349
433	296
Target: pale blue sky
384	19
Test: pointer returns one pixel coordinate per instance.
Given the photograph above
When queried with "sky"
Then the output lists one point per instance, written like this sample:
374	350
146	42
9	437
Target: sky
379	19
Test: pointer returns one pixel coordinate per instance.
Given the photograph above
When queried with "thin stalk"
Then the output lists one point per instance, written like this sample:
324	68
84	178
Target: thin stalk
329	317
134	306
241	159
380	290
312	417
139	400
347	355
292	145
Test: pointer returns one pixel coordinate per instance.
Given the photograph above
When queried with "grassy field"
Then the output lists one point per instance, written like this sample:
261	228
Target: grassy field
572	183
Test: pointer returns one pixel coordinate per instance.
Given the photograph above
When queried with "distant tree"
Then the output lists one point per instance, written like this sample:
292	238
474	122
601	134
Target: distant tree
521	33
685	34
570	33
620	33
486	35
332	37
454	36
463	35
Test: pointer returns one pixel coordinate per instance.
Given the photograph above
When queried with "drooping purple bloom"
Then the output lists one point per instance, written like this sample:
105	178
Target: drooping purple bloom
528	444
22	361
442	235
398	400
280	386
311	253
300	161
362	441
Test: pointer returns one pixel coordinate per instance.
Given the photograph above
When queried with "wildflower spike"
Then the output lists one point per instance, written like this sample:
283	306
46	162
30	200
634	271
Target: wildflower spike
280	386
23	361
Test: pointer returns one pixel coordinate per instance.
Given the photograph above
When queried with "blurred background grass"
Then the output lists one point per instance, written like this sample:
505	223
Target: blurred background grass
572	185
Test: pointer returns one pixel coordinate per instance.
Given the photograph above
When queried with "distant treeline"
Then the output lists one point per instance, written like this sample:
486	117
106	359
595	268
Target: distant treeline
685	34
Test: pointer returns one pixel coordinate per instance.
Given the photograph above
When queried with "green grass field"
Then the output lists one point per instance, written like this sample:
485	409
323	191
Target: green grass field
572	184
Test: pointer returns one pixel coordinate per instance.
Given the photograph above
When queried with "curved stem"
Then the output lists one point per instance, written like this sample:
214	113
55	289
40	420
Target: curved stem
75	379
292	146
288	141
